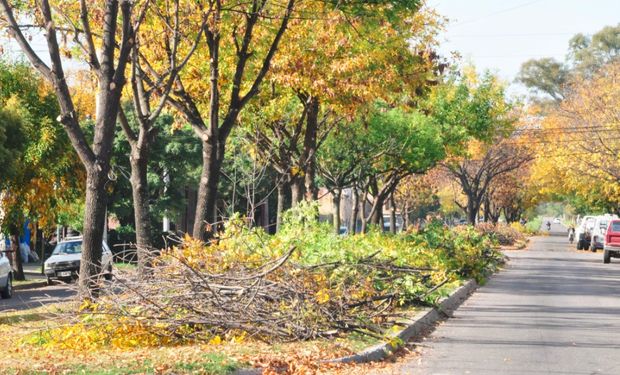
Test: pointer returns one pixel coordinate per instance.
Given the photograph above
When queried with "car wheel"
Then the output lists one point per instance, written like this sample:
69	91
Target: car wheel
8	289
606	256
593	247
49	281
579	245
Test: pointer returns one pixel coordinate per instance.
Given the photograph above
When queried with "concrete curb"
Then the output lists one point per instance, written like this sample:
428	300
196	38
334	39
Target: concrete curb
39	284
422	323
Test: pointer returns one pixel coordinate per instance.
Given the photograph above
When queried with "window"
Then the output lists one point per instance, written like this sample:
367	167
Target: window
74	247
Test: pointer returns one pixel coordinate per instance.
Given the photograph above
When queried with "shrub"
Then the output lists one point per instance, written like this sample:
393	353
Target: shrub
504	234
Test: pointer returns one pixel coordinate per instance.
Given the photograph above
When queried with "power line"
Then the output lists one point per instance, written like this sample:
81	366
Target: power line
502	11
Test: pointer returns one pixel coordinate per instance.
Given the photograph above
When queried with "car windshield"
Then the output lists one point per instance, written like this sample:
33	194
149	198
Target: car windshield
615	226
604	224
73	247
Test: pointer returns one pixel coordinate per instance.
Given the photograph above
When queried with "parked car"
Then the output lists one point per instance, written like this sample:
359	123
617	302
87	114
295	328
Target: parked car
611	248
597	234
582	232
556	220
64	264
6	276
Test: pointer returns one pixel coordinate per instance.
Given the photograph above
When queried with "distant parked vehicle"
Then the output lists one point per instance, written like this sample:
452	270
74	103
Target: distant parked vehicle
64	264
597	233
6	277
583	232
611	248
557	221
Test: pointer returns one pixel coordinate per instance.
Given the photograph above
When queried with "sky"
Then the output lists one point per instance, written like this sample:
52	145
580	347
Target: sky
502	34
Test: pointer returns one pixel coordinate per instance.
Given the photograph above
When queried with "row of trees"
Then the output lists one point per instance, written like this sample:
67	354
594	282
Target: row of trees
290	95
577	148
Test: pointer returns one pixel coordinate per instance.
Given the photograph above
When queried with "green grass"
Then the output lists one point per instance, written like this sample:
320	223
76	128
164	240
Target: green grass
27	282
125	266
534	225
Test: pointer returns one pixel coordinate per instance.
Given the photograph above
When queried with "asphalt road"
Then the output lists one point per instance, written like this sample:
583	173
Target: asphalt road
553	310
28	299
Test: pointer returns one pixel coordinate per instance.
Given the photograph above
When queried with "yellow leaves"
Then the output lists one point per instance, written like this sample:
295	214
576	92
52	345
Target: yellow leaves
322	296
217	340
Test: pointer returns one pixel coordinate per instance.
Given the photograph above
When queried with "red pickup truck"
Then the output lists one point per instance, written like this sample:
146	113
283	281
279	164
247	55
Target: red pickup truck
611	248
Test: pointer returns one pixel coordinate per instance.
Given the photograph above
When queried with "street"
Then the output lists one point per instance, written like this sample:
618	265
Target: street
28	299
552	310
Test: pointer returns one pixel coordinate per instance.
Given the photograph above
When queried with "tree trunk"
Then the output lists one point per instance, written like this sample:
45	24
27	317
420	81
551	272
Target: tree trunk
363	211
206	209
16	256
94	216
310	148
337	194
392	214
281	204
405	215
355	208
297	188
473	206
141	208
377	214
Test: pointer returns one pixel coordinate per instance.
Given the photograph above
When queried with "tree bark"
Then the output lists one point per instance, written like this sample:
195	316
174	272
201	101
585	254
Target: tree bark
297	189
337	195
206	209
94	216
377	214
310	148
473	206
282	186
355	208
16	256
392	214
405	215
140	193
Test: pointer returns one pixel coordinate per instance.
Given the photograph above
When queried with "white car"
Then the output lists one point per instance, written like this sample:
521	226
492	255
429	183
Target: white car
6	277
64	264
597	234
556	220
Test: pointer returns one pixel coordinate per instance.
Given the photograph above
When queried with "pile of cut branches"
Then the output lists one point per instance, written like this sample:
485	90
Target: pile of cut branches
183	297
303	283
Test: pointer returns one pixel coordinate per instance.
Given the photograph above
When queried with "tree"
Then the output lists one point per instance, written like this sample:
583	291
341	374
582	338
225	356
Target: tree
339	163
151	84
246	28
476	175
398	144
546	76
577	145
417	196
586	56
475	117
11	144
336	68
116	19
47	174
